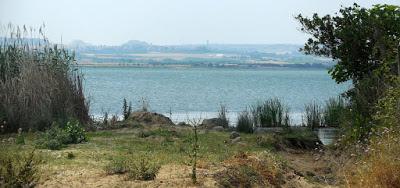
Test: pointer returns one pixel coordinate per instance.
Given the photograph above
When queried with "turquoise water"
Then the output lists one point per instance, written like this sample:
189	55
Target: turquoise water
195	92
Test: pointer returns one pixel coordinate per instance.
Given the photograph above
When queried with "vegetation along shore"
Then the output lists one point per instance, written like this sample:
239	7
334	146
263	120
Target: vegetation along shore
48	138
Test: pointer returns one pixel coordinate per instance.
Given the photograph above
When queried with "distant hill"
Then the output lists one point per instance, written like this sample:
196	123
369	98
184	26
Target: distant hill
140	52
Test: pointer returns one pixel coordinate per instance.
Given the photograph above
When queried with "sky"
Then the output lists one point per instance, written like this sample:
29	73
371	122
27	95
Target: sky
168	22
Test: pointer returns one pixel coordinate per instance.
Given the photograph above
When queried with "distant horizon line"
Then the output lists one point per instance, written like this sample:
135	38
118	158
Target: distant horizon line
176	44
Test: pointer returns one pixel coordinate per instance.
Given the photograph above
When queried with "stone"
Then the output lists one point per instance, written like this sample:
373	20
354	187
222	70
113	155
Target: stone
210	123
218	128
236	140
149	118
234	135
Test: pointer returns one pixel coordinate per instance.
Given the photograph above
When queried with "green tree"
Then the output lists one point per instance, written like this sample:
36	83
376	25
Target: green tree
364	44
361	41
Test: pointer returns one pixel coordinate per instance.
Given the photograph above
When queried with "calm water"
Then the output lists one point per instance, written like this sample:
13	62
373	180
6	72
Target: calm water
196	92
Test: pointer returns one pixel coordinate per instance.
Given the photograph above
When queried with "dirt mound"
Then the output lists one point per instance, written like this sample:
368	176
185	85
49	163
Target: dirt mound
149	118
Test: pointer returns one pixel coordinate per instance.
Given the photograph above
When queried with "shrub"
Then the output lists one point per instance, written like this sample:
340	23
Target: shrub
245	122
75	132
334	111
117	166
70	155
20	139
135	168
56	138
143	169
126	109
312	117
18	169
271	113
38	82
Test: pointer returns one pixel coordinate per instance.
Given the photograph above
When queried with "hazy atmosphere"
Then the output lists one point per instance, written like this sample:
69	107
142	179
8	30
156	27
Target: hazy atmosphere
200	93
170	22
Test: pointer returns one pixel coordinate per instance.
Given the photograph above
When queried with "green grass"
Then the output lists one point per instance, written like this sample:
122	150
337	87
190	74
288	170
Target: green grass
168	146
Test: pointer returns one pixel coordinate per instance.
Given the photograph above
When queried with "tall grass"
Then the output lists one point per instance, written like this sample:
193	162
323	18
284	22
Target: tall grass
224	122
313	116
333	111
245	122
271	113
39	82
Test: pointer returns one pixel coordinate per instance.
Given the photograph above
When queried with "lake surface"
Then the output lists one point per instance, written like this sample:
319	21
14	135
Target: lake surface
198	92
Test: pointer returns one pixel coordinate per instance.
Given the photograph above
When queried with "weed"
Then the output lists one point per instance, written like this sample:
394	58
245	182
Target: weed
223	120
18	169
271	113
245	122
313	116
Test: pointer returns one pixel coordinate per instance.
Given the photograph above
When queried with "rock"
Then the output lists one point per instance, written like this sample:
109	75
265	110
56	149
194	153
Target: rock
210	123
234	135
235	140
149	118
11	140
218	128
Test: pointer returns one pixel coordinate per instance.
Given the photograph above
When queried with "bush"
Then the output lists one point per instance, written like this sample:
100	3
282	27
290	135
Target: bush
143	169
18	169
126	109
313	117
245	122
140	168
75	132
271	113
38	82
334	111
117	166
56	138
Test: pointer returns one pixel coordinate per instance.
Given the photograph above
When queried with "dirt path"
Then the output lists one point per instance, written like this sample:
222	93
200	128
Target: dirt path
315	167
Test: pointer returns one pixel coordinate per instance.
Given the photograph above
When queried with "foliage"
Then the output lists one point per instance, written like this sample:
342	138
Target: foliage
380	166
143	169
271	113
140	168
312	117
126	109
362	41
388	108
39	82
245	122
75	132
195	149
56	138
18	169
117	166
333	112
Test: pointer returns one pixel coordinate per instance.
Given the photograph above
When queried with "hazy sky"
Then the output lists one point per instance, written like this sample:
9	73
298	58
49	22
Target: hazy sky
170	21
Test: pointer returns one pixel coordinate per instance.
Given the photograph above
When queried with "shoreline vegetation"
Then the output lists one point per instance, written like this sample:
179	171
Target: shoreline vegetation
49	140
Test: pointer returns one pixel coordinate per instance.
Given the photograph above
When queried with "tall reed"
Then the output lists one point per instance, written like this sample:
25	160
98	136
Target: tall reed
223	119
313	116
333	111
271	113
39	82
